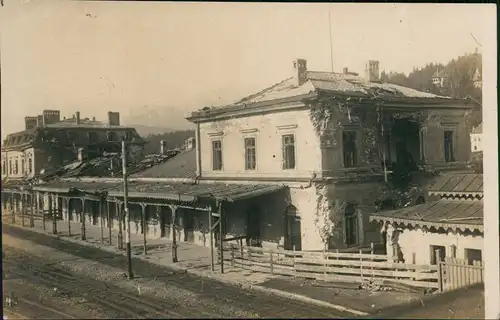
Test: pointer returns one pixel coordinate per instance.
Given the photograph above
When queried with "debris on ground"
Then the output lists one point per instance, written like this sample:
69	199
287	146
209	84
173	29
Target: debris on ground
374	285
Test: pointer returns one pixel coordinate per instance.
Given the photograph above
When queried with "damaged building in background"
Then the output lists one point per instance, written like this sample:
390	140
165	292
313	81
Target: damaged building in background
301	164
49	142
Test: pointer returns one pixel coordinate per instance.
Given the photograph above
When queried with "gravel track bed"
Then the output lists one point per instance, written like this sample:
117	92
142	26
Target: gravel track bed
206	295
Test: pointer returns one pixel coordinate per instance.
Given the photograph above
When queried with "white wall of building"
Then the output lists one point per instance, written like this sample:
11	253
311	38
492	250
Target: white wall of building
419	241
268	130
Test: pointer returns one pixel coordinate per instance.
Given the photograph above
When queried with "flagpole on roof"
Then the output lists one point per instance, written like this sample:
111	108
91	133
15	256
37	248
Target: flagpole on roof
330	31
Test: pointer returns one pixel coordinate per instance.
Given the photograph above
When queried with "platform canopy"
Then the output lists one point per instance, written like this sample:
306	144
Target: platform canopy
458	185
185	192
446	214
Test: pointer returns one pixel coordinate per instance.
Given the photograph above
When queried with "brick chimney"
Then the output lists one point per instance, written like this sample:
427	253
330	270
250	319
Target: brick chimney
30	122
51	116
77	117
190	144
299	72
372	70
345	70
163	147
113	118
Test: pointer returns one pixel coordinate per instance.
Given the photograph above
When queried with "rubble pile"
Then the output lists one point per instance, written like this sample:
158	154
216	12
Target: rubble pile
374	285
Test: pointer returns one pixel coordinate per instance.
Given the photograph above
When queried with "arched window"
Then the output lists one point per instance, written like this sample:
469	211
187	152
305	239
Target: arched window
112	136
93	137
350	225
128	135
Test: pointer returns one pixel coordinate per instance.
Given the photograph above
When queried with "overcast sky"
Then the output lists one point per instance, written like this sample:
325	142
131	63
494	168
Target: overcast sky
176	57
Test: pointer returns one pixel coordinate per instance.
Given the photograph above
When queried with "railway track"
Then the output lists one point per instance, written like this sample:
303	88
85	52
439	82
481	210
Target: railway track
123	304
213	292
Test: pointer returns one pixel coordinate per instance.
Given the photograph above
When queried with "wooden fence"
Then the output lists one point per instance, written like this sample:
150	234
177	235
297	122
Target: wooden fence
456	273
331	266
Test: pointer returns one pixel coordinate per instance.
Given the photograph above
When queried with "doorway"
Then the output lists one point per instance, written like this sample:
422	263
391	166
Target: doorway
293	229
188	226
406	148
253	226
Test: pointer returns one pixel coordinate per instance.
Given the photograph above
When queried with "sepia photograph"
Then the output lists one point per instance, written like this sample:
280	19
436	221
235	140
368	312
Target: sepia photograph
249	160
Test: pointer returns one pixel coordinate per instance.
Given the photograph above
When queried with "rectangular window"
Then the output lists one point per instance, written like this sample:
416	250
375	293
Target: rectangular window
422	145
4	167
250	154
448	146
10	166
217	155
288	142
30	165
350	149
472	255
16	167
437	252
23	169
93	137
351	225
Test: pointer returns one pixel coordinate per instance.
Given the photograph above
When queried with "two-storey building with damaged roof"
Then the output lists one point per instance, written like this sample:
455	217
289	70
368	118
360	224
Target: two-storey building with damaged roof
278	167
333	139
48	142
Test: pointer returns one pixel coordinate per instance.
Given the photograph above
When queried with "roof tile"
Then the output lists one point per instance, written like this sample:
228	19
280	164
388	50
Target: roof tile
182	165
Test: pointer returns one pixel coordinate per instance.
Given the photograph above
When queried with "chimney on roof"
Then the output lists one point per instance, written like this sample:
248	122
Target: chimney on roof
51	116
190	144
372	70
80	155
30	122
93	119
77	117
39	121
345	70
163	147
299	72
113	118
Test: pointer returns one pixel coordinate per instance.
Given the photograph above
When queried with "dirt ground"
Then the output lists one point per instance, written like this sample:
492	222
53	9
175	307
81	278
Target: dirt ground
188	295
465	303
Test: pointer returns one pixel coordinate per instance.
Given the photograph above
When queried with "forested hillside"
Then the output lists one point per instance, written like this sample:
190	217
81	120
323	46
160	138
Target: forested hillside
458	72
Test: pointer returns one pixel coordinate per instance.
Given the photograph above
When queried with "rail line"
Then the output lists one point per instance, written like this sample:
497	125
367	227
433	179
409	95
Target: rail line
100	293
216	292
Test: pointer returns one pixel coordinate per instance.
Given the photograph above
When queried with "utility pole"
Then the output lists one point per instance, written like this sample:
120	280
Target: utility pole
127	214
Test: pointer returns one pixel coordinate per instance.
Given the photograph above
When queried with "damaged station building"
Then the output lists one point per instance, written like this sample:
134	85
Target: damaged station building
302	164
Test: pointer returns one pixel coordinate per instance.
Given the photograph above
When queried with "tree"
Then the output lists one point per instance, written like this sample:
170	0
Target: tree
458	75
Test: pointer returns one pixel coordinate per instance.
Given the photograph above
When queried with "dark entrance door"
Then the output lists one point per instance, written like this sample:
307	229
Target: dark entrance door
188	226
293	229
253	226
95	211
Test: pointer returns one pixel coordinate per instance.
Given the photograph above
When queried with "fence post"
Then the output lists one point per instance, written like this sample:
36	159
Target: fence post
241	254
440	270
249	254
24	206
232	255
294	266
325	265
271	260
361	263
